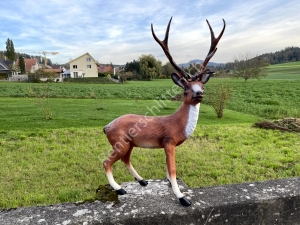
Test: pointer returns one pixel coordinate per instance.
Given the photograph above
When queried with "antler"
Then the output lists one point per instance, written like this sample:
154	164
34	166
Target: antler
212	51
164	45
213	48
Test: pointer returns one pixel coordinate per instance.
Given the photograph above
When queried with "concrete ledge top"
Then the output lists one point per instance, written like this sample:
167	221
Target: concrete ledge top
269	202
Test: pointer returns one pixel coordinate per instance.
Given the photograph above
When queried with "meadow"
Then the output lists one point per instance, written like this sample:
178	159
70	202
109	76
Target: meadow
60	160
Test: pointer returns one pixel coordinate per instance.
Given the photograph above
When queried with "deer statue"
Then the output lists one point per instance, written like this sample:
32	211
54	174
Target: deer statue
166	132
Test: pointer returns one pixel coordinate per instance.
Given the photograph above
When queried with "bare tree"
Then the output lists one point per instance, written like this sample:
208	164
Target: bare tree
248	67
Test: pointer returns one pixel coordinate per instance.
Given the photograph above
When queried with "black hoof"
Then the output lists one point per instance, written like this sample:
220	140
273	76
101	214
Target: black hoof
184	201
143	182
121	192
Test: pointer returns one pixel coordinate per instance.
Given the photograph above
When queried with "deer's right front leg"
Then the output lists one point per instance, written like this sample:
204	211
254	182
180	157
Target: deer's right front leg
171	170
114	156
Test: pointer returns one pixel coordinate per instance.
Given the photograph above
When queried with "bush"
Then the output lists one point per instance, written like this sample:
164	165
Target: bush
218	97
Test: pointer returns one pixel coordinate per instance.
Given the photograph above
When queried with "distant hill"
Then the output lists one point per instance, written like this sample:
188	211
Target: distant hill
195	61
289	54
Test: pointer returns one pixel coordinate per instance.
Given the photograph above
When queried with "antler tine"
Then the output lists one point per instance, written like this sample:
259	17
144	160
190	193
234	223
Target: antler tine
214	43
164	45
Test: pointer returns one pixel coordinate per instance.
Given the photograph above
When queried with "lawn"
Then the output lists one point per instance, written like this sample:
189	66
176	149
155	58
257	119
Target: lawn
284	71
60	160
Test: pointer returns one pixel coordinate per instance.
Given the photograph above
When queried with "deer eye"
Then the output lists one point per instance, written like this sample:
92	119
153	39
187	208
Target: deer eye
186	88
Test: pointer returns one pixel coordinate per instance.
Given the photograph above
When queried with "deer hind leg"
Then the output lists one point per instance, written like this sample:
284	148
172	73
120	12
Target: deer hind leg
171	170
114	156
126	160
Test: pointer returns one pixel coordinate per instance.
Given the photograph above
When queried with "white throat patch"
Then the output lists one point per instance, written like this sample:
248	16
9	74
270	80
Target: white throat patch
192	119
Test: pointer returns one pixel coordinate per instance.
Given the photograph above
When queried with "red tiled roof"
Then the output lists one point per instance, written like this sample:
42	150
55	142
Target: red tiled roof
28	63
104	68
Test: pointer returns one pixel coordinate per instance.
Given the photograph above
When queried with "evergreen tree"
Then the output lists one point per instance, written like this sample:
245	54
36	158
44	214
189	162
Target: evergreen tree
22	64
10	49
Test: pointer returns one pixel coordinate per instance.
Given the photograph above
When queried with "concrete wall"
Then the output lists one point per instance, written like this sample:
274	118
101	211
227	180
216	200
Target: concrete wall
270	202
18	78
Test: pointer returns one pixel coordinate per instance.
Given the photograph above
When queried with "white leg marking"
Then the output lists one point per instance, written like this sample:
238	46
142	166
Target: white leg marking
112	182
176	188
133	172
167	172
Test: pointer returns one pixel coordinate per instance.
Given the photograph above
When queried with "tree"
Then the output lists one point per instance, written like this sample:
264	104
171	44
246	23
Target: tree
247	67
150	68
14	68
10	49
40	73
167	69
22	64
133	67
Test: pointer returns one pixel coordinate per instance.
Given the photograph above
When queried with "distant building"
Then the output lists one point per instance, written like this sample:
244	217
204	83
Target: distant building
31	65
103	68
83	66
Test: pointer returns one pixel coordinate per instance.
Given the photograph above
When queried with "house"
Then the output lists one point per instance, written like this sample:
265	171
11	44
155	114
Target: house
31	65
84	66
4	70
66	74
102	68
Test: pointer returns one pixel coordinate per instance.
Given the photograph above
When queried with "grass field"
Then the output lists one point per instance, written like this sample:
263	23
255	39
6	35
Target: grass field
60	160
284	71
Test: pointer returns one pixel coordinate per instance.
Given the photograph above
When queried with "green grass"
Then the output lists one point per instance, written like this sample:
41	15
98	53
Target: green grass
267	98
65	165
284	71
60	160
25	114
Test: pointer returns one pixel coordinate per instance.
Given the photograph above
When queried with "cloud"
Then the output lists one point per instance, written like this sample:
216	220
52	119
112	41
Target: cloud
118	31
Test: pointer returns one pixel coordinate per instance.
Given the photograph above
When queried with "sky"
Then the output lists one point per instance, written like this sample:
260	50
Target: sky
119	31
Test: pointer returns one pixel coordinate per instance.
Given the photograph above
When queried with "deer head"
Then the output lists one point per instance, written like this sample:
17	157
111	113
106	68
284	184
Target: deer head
192	84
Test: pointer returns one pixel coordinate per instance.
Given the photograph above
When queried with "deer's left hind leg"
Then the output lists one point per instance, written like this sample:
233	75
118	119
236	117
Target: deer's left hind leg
114	156
126	160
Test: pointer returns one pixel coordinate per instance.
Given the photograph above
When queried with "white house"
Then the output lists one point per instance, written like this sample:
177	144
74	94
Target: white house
84	66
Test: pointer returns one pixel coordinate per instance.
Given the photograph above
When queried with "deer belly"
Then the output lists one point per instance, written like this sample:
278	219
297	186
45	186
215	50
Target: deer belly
146	144
192	120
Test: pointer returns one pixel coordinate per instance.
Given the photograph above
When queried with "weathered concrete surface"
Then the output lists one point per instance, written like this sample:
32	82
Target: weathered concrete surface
270	202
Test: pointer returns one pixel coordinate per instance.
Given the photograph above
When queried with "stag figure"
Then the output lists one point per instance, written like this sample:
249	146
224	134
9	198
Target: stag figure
165	132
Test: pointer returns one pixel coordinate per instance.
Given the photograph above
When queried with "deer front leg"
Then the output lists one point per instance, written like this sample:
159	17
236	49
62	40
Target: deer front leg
171	170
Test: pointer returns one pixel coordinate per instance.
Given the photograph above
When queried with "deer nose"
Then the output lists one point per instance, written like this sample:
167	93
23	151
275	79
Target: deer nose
199	93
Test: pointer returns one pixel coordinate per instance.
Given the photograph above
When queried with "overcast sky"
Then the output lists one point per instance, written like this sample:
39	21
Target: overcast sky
120	31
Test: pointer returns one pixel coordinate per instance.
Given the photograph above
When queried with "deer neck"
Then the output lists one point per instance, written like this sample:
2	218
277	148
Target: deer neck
188	116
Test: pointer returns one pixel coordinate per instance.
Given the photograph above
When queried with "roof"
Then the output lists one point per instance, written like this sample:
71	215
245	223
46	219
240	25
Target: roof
104	68
9	62
84	55
55	66
28	63
3	65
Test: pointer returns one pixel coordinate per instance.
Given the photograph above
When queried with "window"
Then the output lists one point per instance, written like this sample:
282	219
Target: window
88	59
75	74
88	66
74	66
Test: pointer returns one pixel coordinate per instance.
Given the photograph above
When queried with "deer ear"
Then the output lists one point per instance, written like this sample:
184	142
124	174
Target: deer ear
178	80
205	77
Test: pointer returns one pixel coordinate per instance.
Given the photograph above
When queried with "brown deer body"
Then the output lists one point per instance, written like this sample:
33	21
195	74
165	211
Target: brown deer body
166	132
